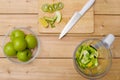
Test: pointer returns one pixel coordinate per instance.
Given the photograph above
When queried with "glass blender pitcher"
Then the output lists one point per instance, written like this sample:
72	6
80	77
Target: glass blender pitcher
93	58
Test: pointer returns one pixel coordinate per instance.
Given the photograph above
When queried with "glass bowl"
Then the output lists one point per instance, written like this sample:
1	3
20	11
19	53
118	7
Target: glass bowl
34	51
104	61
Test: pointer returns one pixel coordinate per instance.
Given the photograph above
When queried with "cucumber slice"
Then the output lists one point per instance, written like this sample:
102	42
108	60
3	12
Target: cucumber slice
59	16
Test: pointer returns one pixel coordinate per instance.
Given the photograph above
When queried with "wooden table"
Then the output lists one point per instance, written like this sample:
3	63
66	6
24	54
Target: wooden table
55	59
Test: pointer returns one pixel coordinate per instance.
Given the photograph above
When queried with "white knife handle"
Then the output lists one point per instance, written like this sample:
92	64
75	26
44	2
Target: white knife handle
87	6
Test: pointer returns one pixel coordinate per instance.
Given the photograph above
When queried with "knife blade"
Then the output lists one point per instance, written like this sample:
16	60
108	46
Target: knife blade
76	16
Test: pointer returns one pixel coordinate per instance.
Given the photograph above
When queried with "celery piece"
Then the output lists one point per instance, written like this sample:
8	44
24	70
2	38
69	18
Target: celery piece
95	62
49	19
52	24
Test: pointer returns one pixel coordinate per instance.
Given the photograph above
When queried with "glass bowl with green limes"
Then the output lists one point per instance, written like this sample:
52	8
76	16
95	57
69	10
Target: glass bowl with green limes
21	45
93	58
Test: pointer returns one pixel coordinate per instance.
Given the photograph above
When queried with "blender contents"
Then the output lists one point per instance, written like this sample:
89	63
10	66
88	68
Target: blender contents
86	57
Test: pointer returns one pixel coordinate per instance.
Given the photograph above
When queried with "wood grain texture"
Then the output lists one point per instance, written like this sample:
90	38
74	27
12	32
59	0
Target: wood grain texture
54	48
18	6
49	69
55	59
31	6
107	7
84	25
9	21
104	24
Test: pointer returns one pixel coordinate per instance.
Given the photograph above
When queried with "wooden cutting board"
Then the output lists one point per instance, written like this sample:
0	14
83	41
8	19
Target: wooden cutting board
84	25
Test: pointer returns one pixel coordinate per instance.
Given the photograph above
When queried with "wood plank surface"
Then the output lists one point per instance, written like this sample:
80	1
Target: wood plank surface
107	7
55	59
16	20
104	24
70	7
53	47
49	69
31	6
18	6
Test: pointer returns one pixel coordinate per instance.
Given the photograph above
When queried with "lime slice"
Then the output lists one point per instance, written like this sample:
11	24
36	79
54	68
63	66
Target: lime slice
43	22
59	16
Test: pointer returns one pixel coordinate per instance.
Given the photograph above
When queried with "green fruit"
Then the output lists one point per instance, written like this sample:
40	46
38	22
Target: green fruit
17	33
24	55
19	43
31	41
9	49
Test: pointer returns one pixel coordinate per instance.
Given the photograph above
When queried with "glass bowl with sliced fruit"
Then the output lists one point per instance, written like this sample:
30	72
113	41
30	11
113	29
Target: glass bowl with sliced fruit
92	62
21	45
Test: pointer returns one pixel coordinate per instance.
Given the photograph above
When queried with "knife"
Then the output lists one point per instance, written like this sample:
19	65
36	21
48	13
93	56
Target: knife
76	16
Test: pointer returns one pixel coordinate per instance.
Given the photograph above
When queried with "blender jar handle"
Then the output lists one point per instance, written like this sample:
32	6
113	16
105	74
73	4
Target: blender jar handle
108	40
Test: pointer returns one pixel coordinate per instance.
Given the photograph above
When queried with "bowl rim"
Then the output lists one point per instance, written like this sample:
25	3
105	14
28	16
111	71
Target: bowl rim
33	33
84	75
